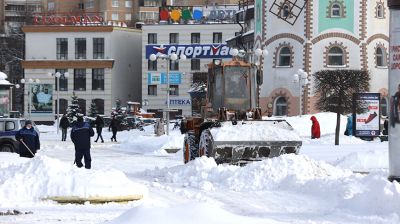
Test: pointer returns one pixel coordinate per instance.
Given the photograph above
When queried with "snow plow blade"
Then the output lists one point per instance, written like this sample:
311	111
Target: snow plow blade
237	152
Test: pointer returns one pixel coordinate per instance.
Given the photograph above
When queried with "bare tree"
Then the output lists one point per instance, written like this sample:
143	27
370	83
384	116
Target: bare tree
335	89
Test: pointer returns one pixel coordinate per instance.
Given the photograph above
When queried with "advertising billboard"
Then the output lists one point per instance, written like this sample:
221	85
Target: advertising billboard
191	51
367	124
4	102
42	98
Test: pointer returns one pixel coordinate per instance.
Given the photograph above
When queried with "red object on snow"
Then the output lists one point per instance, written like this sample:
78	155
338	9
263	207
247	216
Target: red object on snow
315	131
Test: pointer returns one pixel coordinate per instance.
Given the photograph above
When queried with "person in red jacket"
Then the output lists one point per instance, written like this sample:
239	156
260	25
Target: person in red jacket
315	131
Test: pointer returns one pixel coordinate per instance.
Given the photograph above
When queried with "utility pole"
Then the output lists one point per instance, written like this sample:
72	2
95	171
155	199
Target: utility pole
394	90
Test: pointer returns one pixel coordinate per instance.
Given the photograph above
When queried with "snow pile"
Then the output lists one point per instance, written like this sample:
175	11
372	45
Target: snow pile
255	131
269	174
43	177
364	161
194	213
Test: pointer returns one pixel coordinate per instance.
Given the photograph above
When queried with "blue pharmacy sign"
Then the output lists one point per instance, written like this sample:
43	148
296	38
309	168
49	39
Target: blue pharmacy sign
191	51
175	78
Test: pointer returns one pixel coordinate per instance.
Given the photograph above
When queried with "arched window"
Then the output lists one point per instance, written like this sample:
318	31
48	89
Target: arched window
285	11
99	105
335	56
336	10
285	56
384	107
379	11
280	107
82	105
380	57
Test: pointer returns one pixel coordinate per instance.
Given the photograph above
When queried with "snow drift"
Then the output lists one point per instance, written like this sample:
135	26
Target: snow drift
43	177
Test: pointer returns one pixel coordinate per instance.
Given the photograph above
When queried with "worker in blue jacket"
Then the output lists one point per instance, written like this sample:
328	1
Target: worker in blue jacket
80	136
28	140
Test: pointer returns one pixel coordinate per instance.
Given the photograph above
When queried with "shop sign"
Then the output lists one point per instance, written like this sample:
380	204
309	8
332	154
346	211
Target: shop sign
191	51
175	78
66	19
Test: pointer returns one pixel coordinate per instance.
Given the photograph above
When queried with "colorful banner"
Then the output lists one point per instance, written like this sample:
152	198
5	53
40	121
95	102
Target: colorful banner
42	98
368	124
4	102
161	78
175	14
191	51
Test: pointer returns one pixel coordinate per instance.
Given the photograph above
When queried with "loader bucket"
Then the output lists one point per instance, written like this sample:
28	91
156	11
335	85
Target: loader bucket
235	152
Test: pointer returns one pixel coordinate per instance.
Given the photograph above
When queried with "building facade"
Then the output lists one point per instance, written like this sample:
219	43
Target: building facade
103	65
201	43
327	35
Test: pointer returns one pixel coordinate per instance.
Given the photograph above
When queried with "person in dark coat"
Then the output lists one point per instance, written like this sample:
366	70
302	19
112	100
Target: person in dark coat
315	131
99	128
114	128
64	125
349	126
80	136
28	140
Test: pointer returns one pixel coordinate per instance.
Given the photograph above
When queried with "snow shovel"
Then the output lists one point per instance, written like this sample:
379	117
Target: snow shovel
27	147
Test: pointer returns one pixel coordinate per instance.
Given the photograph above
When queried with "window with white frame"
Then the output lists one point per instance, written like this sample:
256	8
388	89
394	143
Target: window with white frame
174	90
336	10
285	57
128	16
51	6
380	55
280	107
80	79
152	38
174	38
380	14
152	90
90	4
114	16
98	79
195	38
217	37
195	64
128	4
174	65
151	65
115	3
336	56
80	48
285	11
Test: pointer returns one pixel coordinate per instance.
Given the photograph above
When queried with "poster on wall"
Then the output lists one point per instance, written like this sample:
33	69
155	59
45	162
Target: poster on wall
42	98
4	102
367	124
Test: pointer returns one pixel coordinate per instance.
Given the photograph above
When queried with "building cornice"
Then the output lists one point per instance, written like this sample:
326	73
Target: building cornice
336	35
54	64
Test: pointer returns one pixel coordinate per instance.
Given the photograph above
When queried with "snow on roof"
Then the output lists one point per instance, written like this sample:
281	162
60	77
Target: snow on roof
248	32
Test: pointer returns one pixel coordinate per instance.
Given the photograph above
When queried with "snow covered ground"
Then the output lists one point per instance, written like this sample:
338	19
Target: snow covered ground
317	186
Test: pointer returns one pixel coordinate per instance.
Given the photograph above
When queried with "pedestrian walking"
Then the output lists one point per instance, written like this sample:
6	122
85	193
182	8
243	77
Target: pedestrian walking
114	128
99	128
28	140
80	136
64	125
315	130
349	126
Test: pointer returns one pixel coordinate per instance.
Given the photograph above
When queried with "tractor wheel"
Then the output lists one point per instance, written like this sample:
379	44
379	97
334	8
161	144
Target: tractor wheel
189	148
206	143
7	148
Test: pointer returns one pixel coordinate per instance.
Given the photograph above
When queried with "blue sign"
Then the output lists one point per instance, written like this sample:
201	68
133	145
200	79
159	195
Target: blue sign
191	51
175	78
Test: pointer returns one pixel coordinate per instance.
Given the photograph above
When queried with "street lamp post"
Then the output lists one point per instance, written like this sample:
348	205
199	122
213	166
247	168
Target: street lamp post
301	78
168	59
58	75
29	82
